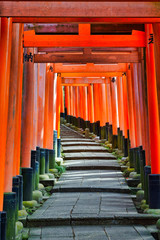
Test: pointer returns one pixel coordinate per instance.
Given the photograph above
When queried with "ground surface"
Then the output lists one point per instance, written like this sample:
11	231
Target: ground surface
91	201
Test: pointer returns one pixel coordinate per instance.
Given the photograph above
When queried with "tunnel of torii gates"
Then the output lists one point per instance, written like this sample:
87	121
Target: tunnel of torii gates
97	65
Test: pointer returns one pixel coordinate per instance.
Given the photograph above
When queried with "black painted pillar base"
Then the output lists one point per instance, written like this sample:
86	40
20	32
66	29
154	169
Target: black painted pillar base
91	127
110	134
119	139
107	127
142	165
3	226
103	132
62	115
27	174
154	191
125	147
9	206
147	172
79	122
114	141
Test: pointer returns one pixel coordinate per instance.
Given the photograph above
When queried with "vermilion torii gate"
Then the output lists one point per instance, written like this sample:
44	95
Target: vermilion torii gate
130	96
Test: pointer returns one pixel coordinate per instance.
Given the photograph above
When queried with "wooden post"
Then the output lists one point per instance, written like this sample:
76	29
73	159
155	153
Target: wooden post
90	103
54	99
152	105
35	104
115	120
136	104
130	108
5	53
125	106
103	108
15	82
96	102
62	100
77	101
41	103
17	140
58	105
85	107
50	110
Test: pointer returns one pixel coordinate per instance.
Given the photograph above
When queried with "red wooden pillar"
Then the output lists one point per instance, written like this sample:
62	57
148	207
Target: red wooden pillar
17	135
50	110
120	103
109	101
136	101
54	99
67	99
71	100
103	107
115	121
152	105
15	81
41	103
96	102
81	101
62	100
130	108
35	104
28	107
58	105
85	107
5	53
90	103
125	106
77	101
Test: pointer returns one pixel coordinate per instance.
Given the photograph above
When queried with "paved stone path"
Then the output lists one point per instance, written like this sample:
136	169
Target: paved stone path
91	201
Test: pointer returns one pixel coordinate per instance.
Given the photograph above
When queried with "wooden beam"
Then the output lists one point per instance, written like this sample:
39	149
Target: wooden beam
90	68
74	50
102	20
79	9
87	58
84	39
75	84
66	28
84	80
93	74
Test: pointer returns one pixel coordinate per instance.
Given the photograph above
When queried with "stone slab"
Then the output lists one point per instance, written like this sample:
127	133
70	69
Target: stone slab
75	149
94	232
88	155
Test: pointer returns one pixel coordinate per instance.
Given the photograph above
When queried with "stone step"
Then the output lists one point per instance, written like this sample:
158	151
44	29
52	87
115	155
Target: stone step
77	140
76	149
82	143
92	232
88	155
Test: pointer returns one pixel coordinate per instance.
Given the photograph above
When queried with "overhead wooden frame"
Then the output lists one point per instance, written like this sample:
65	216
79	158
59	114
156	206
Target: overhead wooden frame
80	9
84	39
132	57
90	68
107	20
84	80
93	74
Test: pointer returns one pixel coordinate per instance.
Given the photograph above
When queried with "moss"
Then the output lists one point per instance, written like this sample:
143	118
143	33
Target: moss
139	185
40	186
137	176
54	170
49	188
30	204
22	213
158	224
153	211
50	175
140	195
19	227
132	174
37	195
43	177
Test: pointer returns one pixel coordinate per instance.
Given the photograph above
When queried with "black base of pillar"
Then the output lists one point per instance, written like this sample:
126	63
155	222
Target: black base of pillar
154	191
125	147
142	165
62	115
147	172
9	206
3	226
114	141
107	126
110	134
27	174
119	138
87	124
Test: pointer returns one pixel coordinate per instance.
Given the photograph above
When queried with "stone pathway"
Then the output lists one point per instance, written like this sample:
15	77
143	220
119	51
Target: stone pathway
91	200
